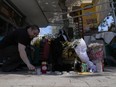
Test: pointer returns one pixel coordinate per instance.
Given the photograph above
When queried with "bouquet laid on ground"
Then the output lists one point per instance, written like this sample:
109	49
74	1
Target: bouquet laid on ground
68	51
95	51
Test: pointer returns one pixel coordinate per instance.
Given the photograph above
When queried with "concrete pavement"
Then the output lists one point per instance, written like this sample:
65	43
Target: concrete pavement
72	79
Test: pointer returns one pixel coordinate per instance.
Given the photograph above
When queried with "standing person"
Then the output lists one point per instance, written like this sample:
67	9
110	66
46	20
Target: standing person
13	47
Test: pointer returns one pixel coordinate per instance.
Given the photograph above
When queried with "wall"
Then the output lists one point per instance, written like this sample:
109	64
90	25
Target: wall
90	20
102	7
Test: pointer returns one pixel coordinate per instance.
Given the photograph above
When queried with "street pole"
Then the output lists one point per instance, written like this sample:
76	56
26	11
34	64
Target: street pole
113	11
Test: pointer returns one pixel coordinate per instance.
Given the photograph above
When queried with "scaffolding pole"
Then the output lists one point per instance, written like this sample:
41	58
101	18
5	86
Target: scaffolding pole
85	8
87	14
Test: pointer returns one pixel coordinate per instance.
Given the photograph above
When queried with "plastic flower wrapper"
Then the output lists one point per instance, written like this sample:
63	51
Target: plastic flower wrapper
80	48
95	51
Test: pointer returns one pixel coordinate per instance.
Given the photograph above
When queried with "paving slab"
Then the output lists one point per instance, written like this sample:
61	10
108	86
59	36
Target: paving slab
73	79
